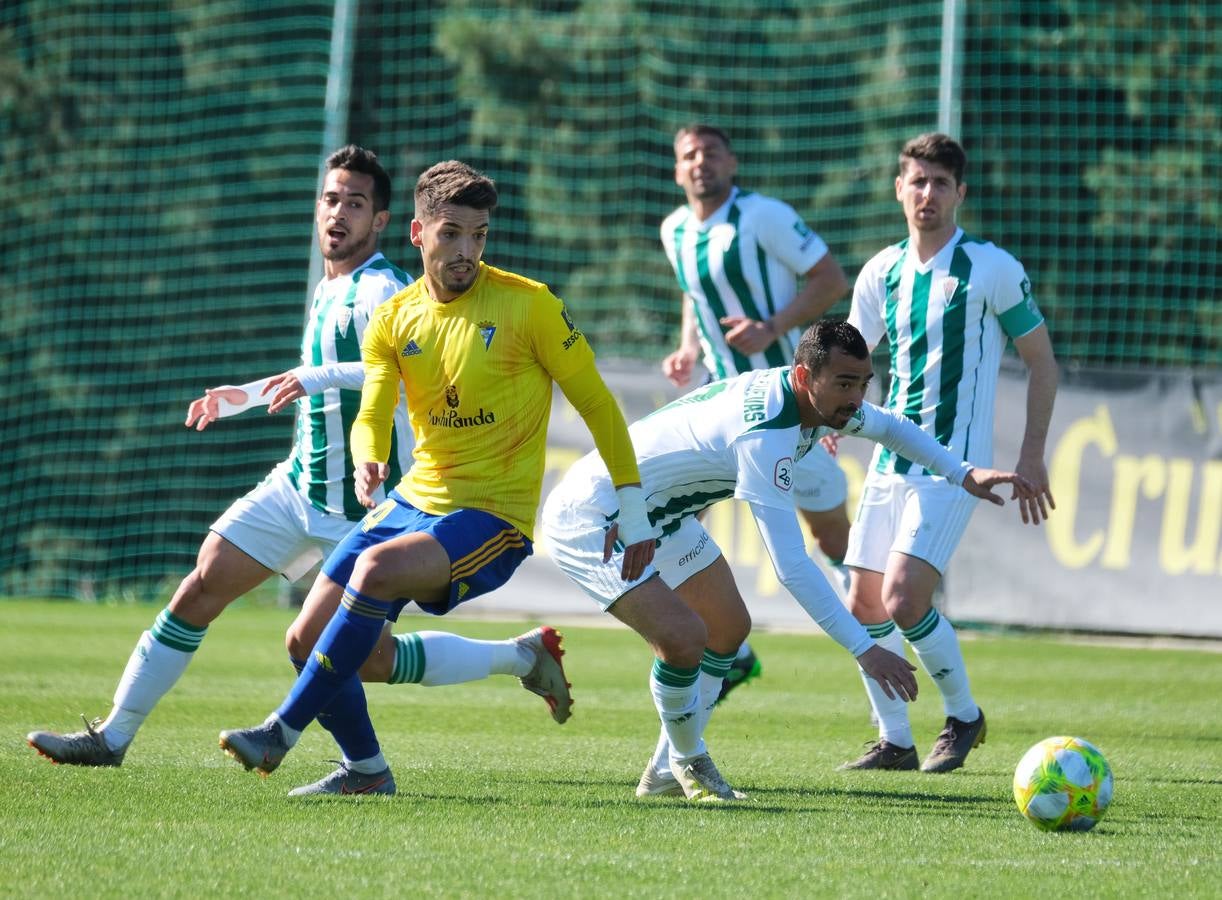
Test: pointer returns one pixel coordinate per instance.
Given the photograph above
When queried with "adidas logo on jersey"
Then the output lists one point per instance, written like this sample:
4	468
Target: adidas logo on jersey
412	349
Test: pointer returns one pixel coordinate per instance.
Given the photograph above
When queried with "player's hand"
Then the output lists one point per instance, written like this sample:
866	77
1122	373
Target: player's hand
207	409
747	335
678	366
1035	496
636	556
893	673
369	477
287	387
830	443
980	483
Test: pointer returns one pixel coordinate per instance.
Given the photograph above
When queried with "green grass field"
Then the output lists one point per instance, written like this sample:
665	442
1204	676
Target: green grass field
496	800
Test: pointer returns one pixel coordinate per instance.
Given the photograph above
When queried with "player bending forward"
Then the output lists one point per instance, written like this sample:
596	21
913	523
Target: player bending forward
737	438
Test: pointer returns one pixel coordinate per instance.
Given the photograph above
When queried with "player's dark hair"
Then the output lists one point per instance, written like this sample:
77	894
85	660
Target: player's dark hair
455	183
819	339
937	148
699	129
357	159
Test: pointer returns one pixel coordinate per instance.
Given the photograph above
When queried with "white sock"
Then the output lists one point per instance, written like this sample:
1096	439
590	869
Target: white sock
710	687
678	708
894	726
661	755
371	766
433	658
743	652
152	669
291	735
939	654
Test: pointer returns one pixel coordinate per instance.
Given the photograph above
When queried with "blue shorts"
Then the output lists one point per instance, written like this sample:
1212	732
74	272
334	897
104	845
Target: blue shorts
484	549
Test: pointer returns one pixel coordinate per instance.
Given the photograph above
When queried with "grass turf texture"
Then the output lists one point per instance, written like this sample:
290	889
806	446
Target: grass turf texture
497	800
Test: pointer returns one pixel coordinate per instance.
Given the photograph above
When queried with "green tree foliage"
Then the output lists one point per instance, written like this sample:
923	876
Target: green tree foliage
158	159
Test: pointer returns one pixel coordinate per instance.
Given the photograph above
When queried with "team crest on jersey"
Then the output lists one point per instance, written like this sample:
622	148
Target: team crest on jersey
1028	300
452	397
342	320
949	286
486	331
782	475
412	349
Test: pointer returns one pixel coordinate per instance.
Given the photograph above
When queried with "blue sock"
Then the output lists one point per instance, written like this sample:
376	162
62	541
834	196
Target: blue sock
345	644
346	719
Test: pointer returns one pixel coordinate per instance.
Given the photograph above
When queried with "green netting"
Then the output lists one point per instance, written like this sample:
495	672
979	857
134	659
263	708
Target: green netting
158	161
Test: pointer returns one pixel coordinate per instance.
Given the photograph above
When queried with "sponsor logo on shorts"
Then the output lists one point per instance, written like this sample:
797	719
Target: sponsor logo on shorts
782	475
695	551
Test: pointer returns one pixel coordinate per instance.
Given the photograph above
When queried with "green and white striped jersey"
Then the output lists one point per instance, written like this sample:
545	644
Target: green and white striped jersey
743	260
946	322
320	465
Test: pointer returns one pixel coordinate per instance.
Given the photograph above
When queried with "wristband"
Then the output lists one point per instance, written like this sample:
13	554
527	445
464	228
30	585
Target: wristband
633	519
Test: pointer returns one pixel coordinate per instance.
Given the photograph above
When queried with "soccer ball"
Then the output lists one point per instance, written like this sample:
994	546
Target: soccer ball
1063	784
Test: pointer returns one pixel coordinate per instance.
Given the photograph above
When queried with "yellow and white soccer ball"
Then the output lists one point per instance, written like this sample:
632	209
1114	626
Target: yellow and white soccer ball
1063	784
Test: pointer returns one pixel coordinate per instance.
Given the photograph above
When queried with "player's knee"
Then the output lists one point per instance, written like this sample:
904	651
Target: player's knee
300	638
199	599
375	571
682	644
729	630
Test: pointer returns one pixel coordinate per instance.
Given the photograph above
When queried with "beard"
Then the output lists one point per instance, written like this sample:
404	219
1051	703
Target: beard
348	248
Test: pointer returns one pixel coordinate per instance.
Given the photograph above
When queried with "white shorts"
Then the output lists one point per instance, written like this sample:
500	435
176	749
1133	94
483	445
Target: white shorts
819	483
573	531
920	515
278	528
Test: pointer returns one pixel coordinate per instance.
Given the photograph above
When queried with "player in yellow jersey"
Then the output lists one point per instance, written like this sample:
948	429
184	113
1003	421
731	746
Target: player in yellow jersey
476	350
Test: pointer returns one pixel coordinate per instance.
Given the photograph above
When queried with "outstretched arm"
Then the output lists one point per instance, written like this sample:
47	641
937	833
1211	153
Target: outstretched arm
224	401
904	437
306	381
275	392
797	571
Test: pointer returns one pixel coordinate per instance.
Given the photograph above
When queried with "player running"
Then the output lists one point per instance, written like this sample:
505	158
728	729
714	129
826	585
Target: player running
477	350
739	438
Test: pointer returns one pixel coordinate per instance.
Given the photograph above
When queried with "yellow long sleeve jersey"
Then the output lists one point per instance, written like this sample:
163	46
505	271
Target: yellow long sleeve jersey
478	375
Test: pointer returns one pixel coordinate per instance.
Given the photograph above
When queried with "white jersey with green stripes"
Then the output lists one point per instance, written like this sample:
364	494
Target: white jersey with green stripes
734	438
743	260
946	322
320	465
